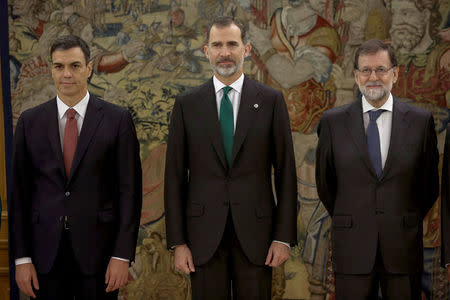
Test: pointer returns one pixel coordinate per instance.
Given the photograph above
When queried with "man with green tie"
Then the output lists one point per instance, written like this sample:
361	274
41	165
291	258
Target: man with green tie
225	138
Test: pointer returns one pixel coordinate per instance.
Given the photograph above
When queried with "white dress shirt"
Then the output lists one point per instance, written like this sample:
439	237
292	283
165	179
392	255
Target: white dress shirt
80	108
384	123
235	97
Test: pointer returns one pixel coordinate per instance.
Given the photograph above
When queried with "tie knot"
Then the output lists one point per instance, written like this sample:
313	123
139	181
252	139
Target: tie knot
226	89
374	114
71	113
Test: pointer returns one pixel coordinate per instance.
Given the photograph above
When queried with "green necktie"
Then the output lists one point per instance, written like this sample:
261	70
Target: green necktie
227	123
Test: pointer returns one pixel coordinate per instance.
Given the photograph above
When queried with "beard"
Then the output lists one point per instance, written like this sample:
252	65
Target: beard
406	36
375	94
228	70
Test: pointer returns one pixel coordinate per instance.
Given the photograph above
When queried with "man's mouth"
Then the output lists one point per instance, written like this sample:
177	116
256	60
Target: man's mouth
226	62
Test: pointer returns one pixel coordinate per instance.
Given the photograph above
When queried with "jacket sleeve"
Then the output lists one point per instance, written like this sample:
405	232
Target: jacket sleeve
325	171
130	188
20	204
285	229
430	167
175	179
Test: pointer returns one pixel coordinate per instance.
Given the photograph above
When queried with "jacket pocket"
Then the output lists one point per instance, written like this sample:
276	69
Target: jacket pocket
195	209
342	221
411	220
106	216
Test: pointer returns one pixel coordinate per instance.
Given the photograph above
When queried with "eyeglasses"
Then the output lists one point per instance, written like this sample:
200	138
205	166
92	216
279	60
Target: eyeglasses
380	71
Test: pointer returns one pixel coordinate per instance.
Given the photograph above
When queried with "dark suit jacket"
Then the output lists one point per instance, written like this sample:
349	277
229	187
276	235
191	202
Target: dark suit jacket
200	189
102	196
367	211
445	202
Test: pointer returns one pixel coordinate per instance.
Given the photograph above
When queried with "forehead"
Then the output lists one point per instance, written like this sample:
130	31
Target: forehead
225	34
68	56
380	58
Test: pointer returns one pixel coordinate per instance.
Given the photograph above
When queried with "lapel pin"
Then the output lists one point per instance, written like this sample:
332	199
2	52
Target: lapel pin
256	106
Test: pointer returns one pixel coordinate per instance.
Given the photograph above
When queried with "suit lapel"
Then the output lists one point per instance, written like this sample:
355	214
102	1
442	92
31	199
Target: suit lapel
92	119
212	124
53	134
355	125
248	108
398	130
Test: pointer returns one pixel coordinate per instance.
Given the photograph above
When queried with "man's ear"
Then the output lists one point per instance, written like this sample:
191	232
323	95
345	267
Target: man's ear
247	49
395	74
205	49
89	66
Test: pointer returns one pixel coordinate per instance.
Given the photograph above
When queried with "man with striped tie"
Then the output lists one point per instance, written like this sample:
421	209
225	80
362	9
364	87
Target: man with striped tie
377	175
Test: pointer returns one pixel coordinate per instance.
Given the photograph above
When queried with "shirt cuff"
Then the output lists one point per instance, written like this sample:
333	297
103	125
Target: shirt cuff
286	244
23	260
122	259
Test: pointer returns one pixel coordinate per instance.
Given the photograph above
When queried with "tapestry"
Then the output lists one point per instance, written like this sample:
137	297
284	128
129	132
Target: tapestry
145	52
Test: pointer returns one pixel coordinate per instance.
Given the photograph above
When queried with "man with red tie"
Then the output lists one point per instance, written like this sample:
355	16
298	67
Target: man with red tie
77	195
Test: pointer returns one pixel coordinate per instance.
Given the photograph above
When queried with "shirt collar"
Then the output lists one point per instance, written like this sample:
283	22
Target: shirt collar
237	85
80	107
388	105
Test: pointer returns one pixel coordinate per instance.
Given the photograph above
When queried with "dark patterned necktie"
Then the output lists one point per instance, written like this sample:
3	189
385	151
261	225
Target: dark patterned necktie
227	123
70	139
373	141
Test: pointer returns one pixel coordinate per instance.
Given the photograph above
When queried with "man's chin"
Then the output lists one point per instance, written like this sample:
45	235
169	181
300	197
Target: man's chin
226	72
375	98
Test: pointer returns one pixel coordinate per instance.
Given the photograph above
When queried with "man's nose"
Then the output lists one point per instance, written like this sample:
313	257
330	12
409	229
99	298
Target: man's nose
373	75
67	72
225	51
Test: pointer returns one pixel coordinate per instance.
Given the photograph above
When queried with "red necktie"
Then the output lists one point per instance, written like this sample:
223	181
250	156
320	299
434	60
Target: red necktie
70	139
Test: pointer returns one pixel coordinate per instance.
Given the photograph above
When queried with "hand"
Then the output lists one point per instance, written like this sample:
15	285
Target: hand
116	274
278	254
183	259
448	273
26	277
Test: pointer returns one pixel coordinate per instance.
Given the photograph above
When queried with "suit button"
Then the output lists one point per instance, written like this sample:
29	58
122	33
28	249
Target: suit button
67	194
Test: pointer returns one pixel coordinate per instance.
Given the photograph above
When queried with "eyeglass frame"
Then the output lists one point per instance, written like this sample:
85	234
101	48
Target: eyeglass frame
376	70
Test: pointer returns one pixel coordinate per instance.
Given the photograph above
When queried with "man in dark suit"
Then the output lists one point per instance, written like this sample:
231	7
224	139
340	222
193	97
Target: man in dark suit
445	206
377	175
224	138
76	188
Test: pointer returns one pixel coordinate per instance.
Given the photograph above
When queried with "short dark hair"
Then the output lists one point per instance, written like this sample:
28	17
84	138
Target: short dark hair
225	21
66	42
373	46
